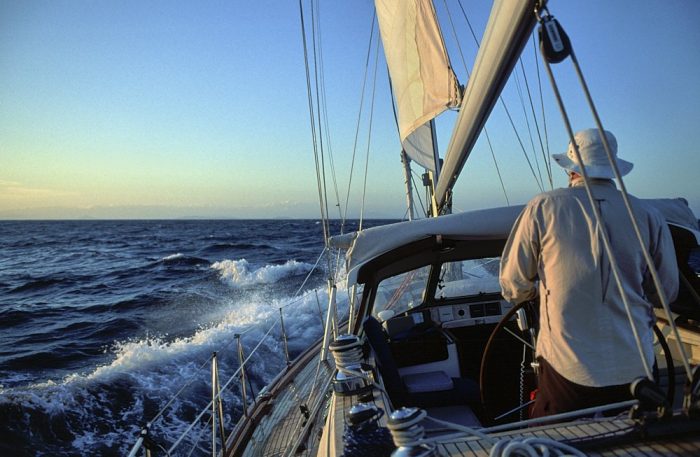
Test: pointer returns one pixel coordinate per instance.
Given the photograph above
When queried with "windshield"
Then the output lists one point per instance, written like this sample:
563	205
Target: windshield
468	277
401	292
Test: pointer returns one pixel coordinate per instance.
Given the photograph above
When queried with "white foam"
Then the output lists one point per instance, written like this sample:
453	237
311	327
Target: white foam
238	273
155	368
179	255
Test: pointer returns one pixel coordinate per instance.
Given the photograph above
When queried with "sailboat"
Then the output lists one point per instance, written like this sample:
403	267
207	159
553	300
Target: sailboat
431	360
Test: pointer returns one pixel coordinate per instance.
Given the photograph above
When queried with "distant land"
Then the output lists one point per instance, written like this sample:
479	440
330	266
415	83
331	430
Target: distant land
168	212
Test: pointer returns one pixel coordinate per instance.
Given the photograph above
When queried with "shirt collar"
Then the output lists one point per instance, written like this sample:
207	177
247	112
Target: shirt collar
595	181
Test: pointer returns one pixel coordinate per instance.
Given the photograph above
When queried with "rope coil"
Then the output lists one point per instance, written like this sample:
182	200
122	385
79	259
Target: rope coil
404	428
533	447
347	353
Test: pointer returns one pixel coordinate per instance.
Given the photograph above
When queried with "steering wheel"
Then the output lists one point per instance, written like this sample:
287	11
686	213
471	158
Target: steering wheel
487	397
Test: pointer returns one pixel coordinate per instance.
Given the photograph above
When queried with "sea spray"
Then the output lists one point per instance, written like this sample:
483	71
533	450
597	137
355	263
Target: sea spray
87	362
238	273
149	373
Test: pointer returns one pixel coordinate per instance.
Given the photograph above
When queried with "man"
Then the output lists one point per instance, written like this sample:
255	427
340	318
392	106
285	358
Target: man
586	349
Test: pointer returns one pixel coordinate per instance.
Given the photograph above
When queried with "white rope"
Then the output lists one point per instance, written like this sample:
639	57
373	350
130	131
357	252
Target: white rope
601	226
562	417
533	447
409	433
625	196
463	429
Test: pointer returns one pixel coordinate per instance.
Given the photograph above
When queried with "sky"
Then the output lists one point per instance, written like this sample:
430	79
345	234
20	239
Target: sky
176	109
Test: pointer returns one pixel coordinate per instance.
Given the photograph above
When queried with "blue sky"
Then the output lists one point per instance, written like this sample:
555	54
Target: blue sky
178	109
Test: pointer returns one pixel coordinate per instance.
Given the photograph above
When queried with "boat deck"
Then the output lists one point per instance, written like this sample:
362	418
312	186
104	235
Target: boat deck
279	419
604	437
627	443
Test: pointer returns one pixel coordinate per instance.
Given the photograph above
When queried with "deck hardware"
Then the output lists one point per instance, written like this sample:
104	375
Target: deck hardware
363	415
331	326
650	397
691	396
364	436
217	408
241	363
554	42
408	434
284	339
353	377
346	384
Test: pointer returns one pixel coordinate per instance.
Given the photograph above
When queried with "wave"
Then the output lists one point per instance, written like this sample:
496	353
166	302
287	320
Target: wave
101	411
221	247
182	259
40	284
238	273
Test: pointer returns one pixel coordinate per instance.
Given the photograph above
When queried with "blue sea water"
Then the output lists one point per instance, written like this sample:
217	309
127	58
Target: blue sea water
102	322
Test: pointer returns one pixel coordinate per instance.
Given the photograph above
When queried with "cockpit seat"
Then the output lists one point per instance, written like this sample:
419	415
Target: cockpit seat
432	381
434	388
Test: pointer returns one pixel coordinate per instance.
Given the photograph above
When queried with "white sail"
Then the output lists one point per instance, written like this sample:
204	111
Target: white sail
419	146
423	82
507	31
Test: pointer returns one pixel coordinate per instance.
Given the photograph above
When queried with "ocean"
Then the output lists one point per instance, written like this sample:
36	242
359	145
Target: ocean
103	322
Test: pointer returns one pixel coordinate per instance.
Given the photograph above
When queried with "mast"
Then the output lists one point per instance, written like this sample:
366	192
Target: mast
436	176
409	188
509	27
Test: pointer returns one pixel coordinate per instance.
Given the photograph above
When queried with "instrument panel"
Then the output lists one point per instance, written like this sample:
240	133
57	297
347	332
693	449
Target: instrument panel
467	314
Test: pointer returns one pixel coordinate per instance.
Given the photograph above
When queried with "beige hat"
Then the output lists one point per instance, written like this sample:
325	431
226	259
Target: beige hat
595	160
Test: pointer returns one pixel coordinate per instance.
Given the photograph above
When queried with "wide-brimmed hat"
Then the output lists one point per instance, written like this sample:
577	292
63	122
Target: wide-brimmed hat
590	146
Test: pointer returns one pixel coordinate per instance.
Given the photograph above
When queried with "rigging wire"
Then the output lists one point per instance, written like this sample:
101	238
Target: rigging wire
324	108
316	62
503	103
544	117
296	298
547	163
420	200
359	116
486	133
369	135
519	89
312	120
223	388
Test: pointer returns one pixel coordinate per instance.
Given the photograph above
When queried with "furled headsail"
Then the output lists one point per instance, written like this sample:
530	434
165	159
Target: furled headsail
423	82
